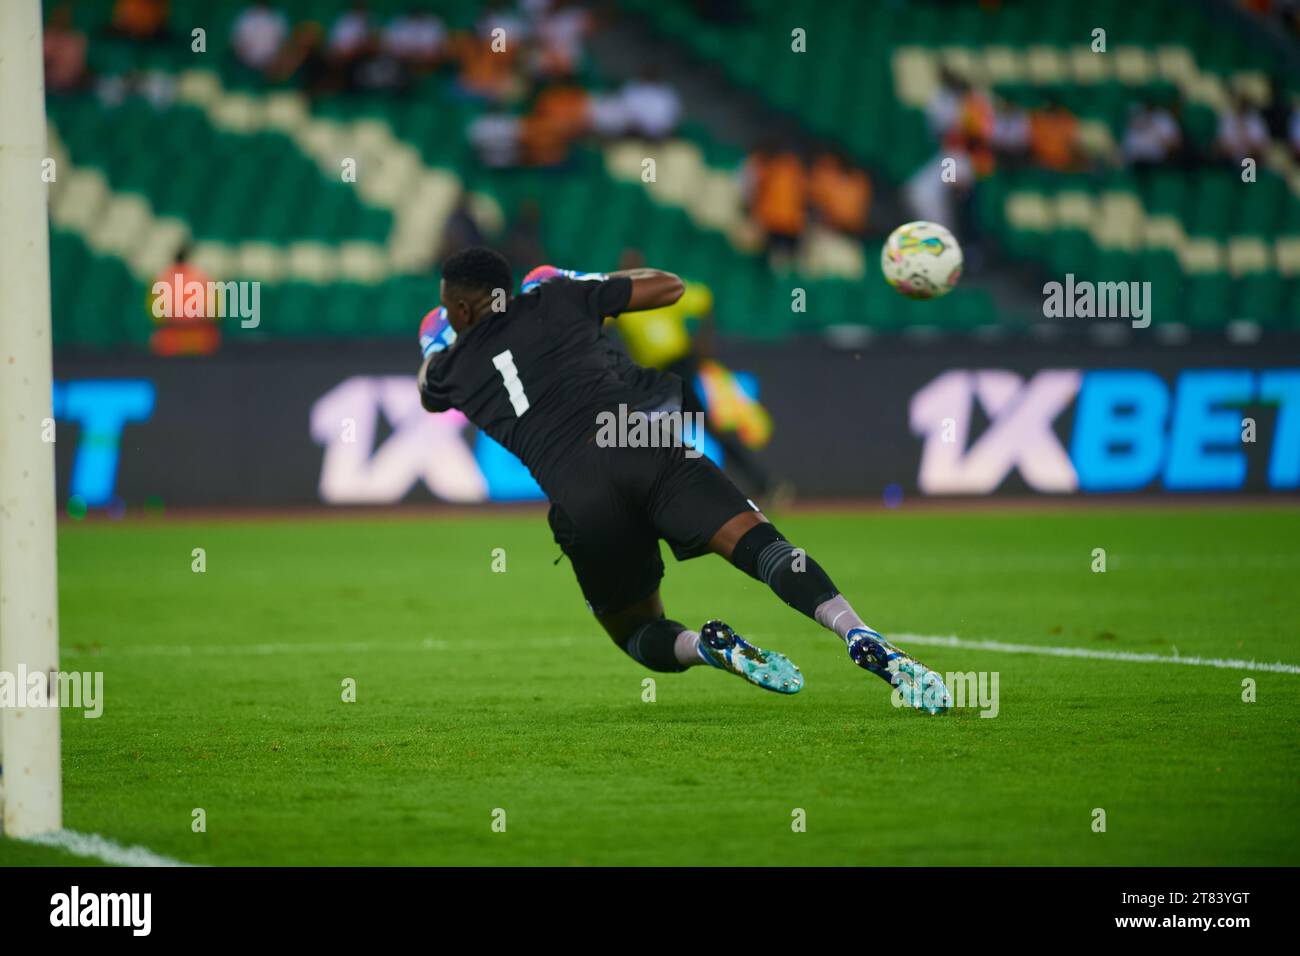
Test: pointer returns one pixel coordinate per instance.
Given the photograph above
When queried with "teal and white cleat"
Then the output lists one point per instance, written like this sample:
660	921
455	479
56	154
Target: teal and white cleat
725	649
919	687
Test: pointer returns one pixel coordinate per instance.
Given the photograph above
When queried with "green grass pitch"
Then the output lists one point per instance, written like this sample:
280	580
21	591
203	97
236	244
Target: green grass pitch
479	690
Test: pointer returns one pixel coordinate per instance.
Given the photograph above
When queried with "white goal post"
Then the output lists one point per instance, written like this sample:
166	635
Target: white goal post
31	791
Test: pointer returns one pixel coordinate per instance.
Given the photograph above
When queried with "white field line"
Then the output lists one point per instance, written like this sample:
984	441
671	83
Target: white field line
1132	657
101	848
290	647
431	644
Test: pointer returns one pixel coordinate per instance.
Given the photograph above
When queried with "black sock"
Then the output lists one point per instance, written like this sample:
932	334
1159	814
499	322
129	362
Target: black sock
654	645
797	579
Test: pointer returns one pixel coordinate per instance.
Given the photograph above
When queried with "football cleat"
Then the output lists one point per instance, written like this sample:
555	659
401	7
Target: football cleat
725	649
918	686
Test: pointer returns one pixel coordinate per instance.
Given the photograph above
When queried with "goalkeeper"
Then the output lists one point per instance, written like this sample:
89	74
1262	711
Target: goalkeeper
537	373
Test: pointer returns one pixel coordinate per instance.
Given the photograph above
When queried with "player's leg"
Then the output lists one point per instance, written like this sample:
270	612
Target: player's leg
615	556
698	510
751	543
643	632
662	644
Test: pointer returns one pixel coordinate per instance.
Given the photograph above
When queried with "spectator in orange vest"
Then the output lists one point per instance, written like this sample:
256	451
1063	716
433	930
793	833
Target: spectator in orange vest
65	52
140	19
178	303
841	193
777	184
558	117
485	72
972	130
1054	137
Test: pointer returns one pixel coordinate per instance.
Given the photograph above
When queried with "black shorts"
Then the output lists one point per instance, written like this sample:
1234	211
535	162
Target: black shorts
610	508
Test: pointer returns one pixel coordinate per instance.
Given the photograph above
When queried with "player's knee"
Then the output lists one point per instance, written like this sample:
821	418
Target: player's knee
756	543
620	632
764	553
653	645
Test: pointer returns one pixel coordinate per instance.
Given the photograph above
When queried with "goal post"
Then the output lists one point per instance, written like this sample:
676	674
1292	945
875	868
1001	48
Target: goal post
31	792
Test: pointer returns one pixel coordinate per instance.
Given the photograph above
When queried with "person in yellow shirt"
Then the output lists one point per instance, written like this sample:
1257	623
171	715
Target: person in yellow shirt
657	338
678	338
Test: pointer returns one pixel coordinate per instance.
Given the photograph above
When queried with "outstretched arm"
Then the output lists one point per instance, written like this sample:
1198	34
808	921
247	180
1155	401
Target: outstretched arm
651	288
432	402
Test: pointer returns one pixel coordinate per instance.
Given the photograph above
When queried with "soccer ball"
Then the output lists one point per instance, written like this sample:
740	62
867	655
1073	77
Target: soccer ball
921	260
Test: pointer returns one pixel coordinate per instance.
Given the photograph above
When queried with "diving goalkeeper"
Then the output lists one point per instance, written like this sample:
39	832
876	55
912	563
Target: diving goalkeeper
536	372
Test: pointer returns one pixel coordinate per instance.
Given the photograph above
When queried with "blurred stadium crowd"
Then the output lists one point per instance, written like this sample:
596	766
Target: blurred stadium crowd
226	155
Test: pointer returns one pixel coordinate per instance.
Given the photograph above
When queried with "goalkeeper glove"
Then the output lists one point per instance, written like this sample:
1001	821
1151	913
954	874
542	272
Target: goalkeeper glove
436	333
541	274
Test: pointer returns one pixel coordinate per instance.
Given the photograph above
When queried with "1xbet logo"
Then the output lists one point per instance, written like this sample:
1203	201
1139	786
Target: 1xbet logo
1130	429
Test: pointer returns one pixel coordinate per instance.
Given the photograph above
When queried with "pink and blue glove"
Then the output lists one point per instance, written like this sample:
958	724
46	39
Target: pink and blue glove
541	274
436	333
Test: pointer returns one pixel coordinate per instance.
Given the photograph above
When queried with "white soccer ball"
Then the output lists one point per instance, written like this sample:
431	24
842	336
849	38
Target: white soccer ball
921	260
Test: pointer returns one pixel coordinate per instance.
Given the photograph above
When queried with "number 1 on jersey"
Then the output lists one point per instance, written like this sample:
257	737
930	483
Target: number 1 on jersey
505	363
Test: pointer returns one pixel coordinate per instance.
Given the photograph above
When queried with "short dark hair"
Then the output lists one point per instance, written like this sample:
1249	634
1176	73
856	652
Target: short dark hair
477	269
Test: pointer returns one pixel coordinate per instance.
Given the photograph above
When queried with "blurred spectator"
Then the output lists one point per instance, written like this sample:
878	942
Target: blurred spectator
941	111
964	121
1054	137
358	57
500	16
560	30
495	138
257	35
646	107
486	73
840	193
558	117
1293	137
303	58
65	52
180	311
1287	12
935	196
155	86
140	19
417	39
1242	133
971	130
776	185
1010	134
379	71
350	36
651	106
1151	137
607	115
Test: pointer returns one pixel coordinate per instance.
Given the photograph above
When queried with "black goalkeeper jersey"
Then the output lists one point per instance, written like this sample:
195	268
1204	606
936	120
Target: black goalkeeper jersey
536	376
